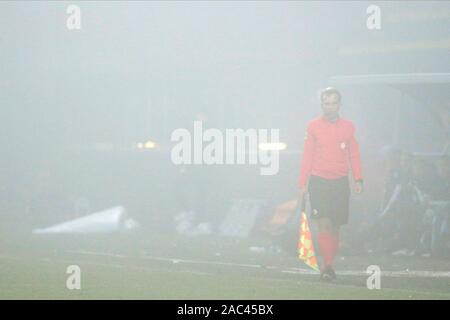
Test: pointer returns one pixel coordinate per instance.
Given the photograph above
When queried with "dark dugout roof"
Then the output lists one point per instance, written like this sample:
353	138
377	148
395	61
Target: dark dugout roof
433	91
391	79
433	87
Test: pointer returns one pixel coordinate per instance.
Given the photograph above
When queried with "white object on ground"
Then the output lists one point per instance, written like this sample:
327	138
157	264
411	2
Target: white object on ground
107	221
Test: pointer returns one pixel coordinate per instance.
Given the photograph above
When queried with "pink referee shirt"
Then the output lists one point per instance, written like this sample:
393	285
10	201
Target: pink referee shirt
330	150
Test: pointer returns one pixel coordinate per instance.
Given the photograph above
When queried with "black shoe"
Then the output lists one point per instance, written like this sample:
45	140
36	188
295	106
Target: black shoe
325	276
328	275
331	272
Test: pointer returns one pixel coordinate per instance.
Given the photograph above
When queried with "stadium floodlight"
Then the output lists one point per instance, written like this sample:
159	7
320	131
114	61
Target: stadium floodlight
150	145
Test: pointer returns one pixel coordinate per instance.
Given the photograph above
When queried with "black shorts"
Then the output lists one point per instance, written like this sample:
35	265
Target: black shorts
329	199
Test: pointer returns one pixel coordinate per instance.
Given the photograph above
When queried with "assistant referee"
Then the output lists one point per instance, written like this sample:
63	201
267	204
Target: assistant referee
330	151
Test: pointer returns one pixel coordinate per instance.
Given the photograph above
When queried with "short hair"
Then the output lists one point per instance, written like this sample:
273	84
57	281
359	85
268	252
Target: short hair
328	91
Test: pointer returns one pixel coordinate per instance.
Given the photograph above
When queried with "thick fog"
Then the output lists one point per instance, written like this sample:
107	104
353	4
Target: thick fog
79	105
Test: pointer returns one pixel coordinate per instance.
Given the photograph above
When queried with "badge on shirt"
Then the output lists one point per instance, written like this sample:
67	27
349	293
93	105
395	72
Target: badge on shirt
343	145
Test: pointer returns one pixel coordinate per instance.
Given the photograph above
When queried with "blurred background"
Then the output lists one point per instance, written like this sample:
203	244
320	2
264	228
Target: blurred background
86	115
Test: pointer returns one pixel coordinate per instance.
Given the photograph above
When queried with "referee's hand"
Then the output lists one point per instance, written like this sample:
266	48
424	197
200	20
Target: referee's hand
358	187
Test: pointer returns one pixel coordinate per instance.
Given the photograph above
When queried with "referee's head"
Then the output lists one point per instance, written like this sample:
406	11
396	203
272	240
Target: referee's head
330	99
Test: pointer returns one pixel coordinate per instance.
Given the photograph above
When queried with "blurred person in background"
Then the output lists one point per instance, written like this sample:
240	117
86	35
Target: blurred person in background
397	228
440	232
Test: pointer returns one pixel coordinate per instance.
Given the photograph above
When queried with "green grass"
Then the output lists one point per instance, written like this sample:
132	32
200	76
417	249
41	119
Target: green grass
35	268
32	279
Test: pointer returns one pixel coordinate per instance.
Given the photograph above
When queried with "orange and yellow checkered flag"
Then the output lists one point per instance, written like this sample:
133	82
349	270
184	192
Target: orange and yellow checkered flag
305	244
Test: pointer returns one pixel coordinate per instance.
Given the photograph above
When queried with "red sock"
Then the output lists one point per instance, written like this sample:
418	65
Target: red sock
335	246
327	247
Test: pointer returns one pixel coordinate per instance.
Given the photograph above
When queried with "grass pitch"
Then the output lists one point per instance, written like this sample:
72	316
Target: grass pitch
163	266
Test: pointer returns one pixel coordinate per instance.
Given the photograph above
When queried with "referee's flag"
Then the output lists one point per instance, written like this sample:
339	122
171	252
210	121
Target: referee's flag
305	244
